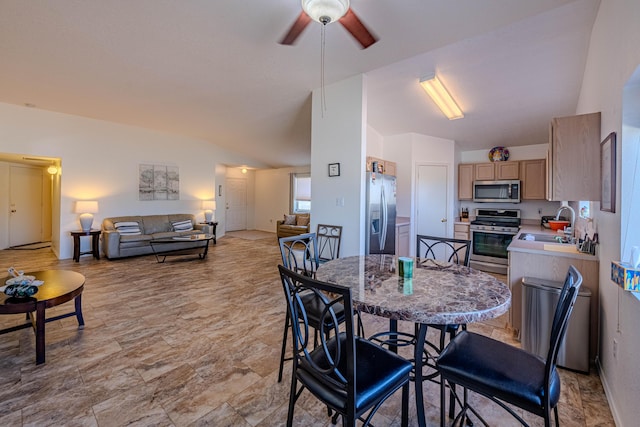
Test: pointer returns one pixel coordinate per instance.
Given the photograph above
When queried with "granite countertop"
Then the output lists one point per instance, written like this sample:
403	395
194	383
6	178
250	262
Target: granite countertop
439	292
544	248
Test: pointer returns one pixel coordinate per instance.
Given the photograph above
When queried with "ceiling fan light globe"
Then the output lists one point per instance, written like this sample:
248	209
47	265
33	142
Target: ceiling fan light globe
325	11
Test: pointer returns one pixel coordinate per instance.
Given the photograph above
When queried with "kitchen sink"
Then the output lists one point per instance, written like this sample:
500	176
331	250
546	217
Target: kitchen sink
545	238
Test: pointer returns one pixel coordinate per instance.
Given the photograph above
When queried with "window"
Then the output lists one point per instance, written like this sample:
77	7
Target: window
585	209
300	192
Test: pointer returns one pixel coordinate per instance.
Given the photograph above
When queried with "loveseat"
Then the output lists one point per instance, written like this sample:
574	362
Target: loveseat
125	236
292	225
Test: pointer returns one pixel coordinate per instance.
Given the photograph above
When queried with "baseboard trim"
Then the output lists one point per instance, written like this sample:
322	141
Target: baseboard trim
608	393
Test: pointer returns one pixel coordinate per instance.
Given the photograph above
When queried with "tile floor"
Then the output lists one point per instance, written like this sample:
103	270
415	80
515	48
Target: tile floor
190	343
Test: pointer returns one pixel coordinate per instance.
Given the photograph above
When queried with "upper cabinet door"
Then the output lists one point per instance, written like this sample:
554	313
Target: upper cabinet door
533	177
507	170
485	172
574	159
465	181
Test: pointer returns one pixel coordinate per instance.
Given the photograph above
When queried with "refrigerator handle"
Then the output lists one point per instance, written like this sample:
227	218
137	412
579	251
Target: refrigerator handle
384	214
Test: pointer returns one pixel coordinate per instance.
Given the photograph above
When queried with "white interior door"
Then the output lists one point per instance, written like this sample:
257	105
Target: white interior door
431	200
236	208
25	205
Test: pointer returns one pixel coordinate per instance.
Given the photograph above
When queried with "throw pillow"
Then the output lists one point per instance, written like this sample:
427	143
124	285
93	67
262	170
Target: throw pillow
182	225
303	220
289	219
127	227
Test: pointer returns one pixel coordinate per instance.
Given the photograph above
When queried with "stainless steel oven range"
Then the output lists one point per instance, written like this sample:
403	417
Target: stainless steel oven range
491	234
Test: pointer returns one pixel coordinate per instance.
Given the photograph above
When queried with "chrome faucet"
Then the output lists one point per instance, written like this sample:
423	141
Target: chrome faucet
563	206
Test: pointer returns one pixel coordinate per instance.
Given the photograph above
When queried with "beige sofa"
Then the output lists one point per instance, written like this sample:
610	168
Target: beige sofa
287	230
125	236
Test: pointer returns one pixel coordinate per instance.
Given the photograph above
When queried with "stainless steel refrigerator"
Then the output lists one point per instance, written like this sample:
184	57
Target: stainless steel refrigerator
381	214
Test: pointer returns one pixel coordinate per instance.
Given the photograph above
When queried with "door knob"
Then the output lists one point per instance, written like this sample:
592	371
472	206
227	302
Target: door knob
443	220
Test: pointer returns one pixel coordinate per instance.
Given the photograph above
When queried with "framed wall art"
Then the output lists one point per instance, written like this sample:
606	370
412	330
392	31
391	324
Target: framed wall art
608	173
158	182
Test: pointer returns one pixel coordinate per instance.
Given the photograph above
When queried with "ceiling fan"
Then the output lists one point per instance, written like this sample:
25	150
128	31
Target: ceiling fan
325	12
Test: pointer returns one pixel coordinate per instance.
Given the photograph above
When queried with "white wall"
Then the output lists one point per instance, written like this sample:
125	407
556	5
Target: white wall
338	135
100	162
272	196
613	57
408	151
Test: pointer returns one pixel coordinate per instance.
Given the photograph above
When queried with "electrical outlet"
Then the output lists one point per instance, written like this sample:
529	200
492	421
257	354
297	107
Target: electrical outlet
615	348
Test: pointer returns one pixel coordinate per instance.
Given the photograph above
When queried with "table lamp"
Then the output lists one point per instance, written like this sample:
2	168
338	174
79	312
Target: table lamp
209	206
86	209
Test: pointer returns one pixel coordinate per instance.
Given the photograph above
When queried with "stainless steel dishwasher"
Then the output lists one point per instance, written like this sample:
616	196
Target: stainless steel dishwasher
539	300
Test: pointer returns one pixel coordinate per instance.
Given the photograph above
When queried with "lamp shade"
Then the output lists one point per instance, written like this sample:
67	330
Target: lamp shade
86	206
86	209
209	205
325	11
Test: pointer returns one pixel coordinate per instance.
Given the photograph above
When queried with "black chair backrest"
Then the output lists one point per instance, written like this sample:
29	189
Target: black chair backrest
456	251
568	296
300	253
324	368
329	237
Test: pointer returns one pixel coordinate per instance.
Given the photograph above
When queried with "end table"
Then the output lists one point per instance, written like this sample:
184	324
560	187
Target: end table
95	249
213	225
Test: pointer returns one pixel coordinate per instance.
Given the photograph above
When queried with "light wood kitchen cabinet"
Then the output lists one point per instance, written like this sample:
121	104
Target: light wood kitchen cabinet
507	170
573	164
465	181
403	239
389	168
384	166
461	231
533	176
484	172
496	171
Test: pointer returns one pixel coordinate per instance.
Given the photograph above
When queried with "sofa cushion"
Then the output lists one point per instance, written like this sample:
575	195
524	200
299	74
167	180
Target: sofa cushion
155	224
185	225
303	220
134	240
289	219
127	227
298	228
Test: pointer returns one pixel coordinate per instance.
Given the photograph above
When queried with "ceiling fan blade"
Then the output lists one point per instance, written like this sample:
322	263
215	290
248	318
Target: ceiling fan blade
357	29
296	29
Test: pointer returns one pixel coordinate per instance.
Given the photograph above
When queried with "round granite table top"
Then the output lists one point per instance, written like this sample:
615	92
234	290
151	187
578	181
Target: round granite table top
439	292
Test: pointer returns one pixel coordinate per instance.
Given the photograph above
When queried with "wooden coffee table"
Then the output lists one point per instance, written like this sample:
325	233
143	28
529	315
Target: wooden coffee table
182	245
59	286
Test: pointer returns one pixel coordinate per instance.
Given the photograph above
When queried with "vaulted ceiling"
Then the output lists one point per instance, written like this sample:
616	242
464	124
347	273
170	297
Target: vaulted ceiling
213	69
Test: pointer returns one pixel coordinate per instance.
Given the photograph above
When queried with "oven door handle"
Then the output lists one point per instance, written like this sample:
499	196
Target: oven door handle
509	233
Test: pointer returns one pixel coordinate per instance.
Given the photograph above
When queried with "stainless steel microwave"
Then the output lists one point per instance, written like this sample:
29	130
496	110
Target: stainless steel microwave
496	191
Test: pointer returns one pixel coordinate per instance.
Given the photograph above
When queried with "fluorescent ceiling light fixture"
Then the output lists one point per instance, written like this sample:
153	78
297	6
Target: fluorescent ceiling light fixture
443	99
325	11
